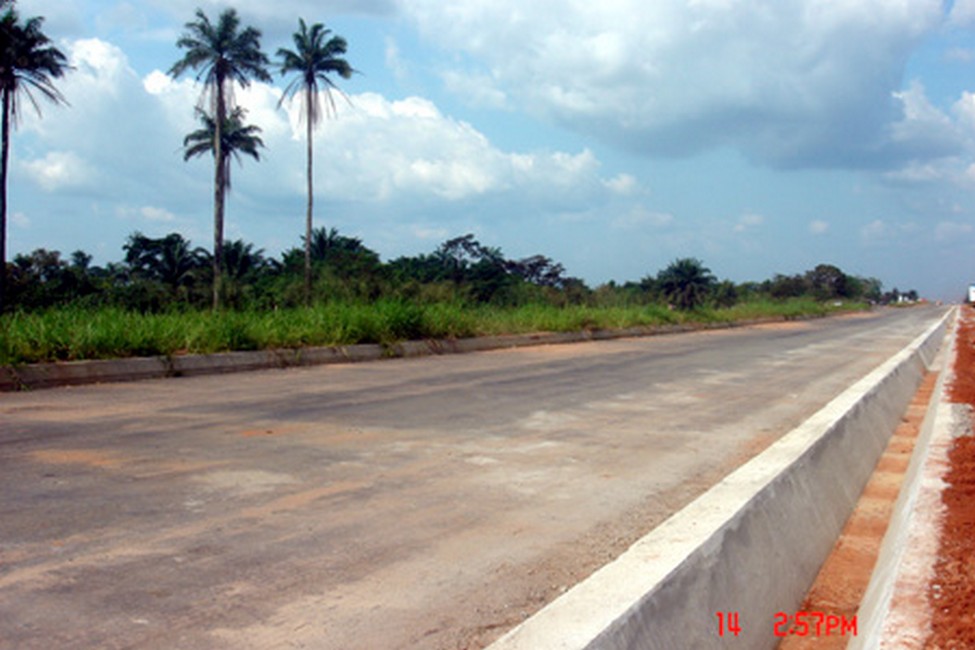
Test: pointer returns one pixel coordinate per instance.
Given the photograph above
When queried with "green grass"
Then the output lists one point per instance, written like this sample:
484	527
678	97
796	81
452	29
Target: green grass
73	333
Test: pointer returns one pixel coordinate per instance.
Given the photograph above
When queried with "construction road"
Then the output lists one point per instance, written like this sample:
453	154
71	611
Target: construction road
411	503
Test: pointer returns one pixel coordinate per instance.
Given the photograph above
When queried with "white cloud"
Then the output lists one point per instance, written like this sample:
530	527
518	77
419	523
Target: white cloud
113	122
95	82
383	149
98	69
749	222
795	82
59	170
477	90
952	231
151	213
622	184
394	61
964	111
20	220
962	14
158	83
916	172
875	230
924	130
640	218
937	145
818	227
960	55
427	233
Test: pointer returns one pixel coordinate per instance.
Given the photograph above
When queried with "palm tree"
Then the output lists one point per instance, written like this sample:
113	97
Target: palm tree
317	54
241	265
222	54
170	260
229	141
326	240
241	260
686	283
28	62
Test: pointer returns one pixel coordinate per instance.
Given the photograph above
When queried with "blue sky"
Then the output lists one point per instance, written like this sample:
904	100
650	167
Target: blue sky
760	136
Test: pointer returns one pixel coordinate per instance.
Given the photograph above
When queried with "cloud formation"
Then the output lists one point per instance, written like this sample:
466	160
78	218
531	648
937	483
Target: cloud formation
789	83
121	141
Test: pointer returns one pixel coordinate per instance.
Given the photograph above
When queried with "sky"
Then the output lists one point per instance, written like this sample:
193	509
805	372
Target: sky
759	136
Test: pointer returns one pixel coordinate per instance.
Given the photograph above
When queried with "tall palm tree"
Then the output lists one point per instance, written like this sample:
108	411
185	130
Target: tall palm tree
317	54
222	54
28	62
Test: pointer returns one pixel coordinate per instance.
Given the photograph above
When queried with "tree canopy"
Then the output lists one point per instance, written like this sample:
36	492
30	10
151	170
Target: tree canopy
167	272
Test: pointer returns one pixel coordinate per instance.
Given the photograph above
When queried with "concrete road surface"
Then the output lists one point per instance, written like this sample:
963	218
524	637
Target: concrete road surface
424	503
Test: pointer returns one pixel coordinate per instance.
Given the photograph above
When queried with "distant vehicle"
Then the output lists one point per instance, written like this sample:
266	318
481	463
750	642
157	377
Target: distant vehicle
971	293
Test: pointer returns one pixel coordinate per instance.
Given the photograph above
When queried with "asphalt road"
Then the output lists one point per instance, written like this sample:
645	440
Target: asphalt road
420	503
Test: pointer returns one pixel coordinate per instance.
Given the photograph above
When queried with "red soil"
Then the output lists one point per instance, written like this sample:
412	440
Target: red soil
952	592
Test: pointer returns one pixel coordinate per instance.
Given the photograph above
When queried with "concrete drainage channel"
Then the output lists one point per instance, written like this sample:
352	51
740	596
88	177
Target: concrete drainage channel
748	548
909	550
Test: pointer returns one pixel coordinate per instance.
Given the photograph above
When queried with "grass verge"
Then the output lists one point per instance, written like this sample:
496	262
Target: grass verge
71	333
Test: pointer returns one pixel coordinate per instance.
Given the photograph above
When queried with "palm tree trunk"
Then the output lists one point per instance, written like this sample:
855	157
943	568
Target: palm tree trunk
3	199
308	214
218	201
219	187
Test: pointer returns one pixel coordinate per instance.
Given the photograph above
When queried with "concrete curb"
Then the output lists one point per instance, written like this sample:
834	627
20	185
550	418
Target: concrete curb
73	373
751	545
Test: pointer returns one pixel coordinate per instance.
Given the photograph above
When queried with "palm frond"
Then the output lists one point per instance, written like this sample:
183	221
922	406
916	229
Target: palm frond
236	138
316	55
28	63
221	54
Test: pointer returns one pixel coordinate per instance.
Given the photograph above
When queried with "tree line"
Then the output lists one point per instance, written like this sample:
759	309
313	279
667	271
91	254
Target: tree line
169	272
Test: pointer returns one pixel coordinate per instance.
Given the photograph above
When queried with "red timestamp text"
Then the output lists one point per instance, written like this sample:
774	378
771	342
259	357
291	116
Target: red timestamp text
798	624
813	624
728	623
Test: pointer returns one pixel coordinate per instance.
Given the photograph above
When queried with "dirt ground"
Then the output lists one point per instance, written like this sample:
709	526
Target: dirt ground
951	594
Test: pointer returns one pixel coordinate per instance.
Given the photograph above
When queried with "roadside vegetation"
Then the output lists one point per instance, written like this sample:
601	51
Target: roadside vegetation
75	332
157	299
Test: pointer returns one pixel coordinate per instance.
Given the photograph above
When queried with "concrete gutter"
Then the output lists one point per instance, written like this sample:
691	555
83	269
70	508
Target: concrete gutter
913	526
751	545
71	373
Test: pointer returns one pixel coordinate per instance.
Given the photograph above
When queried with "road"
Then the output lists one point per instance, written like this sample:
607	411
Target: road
413	503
